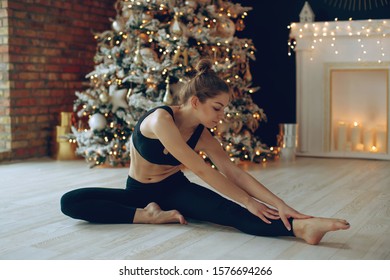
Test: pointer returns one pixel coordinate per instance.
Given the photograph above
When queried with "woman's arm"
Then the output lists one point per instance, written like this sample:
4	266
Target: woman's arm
163	127
235	174
245	181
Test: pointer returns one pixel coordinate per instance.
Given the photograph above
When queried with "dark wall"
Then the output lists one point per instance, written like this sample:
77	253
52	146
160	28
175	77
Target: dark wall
274	70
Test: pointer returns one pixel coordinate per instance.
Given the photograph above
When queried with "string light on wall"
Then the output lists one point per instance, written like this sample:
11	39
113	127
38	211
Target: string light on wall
357	5
326	35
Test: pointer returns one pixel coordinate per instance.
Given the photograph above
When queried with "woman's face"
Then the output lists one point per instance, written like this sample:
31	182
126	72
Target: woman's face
212	111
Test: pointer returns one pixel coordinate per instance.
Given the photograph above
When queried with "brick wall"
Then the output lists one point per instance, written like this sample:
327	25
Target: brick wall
46	49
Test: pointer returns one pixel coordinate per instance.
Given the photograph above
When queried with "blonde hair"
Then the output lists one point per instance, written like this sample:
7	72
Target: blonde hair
205	84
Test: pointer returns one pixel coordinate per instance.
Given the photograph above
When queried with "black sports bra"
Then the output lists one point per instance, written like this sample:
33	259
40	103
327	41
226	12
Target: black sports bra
152	149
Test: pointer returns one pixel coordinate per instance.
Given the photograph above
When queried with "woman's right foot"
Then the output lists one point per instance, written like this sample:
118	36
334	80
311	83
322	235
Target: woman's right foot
152	214
312	230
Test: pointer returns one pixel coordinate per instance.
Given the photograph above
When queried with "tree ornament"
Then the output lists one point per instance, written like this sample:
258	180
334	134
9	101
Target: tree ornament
175	27
144	38
248	75
103	97
117	98
118	24
185	57
176	57
240	25
129	93
149	54
138	56
97	122
225	28
168	98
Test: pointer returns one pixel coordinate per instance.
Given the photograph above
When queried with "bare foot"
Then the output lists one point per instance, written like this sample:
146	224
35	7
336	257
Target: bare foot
313	230
152	214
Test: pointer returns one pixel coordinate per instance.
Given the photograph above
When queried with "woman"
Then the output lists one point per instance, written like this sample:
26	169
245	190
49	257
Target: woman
164	140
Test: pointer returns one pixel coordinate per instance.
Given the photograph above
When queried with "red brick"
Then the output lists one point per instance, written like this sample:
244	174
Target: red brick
35	84
28	76
23	102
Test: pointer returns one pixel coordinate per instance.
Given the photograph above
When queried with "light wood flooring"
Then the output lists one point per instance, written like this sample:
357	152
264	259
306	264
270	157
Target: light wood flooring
32	226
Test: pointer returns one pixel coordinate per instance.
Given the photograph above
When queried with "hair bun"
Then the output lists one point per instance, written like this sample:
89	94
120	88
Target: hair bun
204	65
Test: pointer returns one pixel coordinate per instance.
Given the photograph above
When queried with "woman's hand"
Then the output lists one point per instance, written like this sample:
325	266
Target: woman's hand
262	211
283	212
286	212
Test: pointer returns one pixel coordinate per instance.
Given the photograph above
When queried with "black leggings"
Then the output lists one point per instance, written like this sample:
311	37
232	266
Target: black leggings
104	205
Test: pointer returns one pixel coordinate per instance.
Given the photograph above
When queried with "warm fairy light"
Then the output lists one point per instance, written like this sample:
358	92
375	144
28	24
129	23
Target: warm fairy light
320	31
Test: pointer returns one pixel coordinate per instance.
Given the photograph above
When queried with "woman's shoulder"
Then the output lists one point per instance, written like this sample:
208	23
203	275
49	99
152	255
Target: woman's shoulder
160	116
163	112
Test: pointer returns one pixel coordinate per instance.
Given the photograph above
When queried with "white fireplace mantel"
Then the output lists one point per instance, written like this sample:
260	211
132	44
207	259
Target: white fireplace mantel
323	47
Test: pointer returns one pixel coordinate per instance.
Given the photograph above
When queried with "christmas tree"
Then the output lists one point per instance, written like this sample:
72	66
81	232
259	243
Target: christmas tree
142	62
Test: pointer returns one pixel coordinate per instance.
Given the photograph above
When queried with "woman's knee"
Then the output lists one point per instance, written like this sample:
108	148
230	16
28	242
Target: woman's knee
69	201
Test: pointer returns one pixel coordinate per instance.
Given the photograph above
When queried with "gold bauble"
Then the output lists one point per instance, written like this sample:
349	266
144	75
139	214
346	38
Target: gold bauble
103	97
225	28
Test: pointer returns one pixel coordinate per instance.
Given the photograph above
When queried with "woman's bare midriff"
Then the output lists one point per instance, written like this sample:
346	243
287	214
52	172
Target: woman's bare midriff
146	172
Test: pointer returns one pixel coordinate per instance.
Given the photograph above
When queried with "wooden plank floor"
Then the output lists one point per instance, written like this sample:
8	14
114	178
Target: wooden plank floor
32	226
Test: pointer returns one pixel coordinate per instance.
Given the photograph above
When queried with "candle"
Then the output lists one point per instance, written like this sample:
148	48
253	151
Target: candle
380	141
341	136
368	140
360	147
355	135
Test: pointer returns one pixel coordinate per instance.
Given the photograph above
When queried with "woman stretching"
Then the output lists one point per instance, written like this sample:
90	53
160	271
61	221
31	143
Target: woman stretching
164	140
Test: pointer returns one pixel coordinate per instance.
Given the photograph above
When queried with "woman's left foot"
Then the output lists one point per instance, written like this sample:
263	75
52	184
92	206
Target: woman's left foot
152	214
312	230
